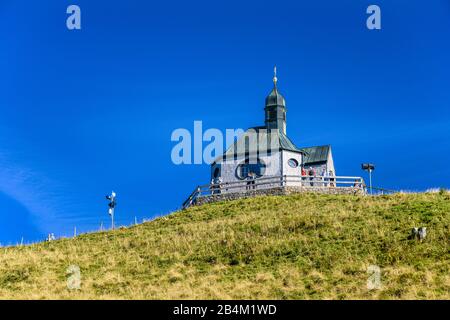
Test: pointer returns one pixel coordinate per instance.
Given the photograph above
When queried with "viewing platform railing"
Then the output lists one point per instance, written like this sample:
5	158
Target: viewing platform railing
313	183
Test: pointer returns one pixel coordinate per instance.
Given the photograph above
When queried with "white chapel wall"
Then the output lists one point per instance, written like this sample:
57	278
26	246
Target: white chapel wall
228	167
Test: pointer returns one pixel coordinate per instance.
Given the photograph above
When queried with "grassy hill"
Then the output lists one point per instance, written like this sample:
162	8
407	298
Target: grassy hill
281	247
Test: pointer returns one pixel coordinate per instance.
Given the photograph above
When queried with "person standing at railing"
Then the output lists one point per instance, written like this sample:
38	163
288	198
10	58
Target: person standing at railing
252	180
249	180
216	185
212	186
312	174
331	173
325	177
303	174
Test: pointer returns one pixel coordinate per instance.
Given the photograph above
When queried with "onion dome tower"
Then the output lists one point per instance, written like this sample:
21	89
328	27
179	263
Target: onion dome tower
275	108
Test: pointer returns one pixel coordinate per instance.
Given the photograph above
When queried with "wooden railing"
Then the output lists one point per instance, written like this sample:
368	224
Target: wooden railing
306	182
191	199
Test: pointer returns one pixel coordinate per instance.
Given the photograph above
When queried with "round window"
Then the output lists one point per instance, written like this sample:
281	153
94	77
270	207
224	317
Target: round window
293	163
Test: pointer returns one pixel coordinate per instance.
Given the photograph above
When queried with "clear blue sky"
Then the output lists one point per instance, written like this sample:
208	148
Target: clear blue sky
84	112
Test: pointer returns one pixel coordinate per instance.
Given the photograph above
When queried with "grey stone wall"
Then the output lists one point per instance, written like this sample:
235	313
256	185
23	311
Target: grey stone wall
276	191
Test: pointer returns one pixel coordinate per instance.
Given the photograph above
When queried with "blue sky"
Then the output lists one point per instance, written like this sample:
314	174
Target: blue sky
84	112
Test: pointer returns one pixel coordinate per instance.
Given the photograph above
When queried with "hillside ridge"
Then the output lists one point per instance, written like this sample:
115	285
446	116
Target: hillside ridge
305	246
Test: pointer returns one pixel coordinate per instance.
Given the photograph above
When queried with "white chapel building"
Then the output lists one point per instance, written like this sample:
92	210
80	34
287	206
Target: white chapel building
267	151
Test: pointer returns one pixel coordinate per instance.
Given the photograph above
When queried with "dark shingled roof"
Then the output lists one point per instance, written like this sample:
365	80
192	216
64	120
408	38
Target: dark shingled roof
316	154
284	143
312	155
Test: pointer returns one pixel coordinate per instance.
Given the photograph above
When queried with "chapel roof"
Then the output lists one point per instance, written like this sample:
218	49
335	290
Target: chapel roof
261	142
316	154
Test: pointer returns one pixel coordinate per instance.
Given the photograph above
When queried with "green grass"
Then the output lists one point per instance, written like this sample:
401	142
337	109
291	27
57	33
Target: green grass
283	247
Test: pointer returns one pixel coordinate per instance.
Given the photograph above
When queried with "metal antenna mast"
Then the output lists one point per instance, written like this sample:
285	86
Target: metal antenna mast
111	205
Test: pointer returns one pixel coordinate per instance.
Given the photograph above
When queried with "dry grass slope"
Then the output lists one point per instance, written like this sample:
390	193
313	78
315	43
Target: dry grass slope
290	247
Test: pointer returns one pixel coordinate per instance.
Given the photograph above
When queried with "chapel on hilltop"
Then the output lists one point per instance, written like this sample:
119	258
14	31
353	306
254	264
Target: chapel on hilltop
270	152
265	161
